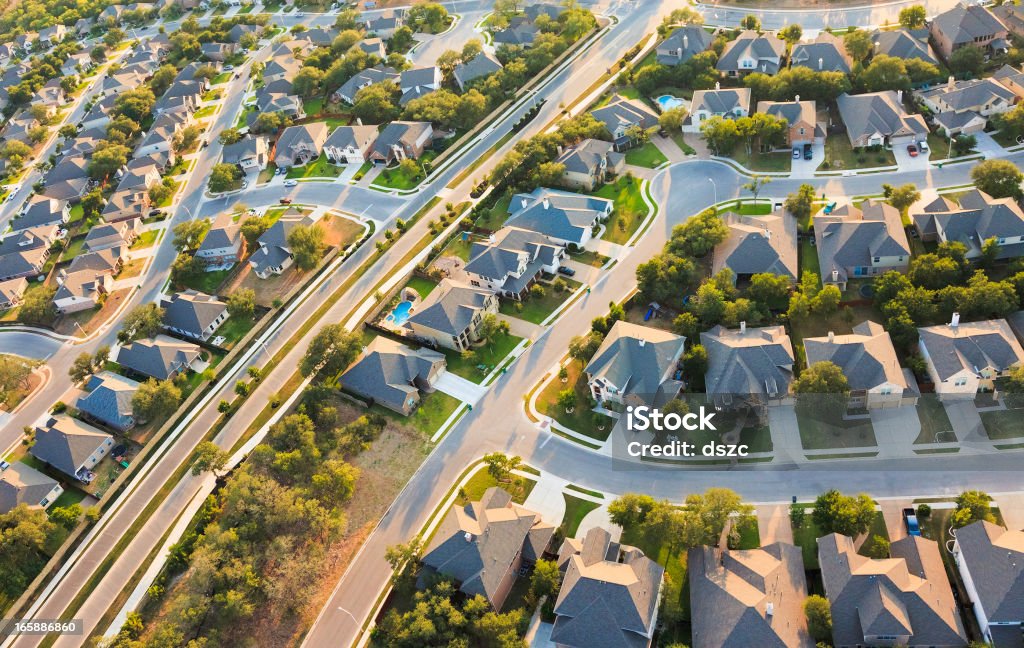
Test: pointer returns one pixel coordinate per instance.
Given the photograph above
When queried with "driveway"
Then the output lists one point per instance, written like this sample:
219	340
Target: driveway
773	524
907	163
987	146
785	433
1012	508
966	422
546	499
895	430
892	512
805	168
460	388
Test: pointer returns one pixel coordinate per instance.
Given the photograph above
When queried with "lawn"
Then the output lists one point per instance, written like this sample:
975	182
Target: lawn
575	510
422	286
209	282
518	487
537	309
242	117
935	424
758	161
433	411
397	178
314	106
234	329
750	534
205	111
319	168
581	419
145	240
834	432
219	79
212	95
73	249
757	439
839	155
1003	424
489	356
629	211
648	156
496	216
808	261
461	245
806	537
680	141
76	214
589	257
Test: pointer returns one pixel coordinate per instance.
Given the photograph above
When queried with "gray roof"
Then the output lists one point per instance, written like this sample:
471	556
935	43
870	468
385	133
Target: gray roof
482	65
521	34
358	137
866	357
757	361
367	77
964	23
719	102
310	136
976	219
995	559
399	132
905	44
159	357
766	49
850	237
66	443
450	307
558	214
192	311
623	113
246	147
636	358
970	94
683	44
23	484
479	543
606	602
878	112
373	46
419	77
758	244
224	234
273	244
498	258
907	594
388	371
46	211
730	592
971	346
106	235
550	9
109	399
826	53
585	157
12	290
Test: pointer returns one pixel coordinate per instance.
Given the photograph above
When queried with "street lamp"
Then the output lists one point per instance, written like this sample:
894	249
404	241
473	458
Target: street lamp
949	153
715	187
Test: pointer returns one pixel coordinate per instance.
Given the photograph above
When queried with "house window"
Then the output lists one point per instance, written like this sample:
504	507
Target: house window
801	130
1002	240
877	259
886	391
960	382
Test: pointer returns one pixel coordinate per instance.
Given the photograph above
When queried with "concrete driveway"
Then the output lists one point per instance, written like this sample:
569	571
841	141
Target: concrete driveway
546	499
892	512
907	163
805	168
773	524
895	430
987	146
460	388
1012	508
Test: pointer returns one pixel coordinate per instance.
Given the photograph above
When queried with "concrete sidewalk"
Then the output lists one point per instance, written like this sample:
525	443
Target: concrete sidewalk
546	499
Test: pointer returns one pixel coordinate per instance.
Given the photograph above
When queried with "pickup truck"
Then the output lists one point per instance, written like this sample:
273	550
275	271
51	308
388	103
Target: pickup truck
910	520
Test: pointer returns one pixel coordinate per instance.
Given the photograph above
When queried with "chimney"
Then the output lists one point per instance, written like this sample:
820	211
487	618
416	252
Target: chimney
767	233
469	536
955	322
769	609
718	85
899	96
831	337
821	63
797	99
524	203
642	342
743	327
359	121
547	204
951	82
835	275
686	42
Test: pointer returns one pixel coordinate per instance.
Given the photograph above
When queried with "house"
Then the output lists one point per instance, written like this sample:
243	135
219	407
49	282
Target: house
590	163
879	119
418	82
182	92
905	600
748	598
968	25
758	244
621	115
88	280
43	212
860	243
287	104
373	47
801	119
249	153
274	255
393	375
826	53
552	10
1012	79
511	261
364	79
193	314
236	33
384	24
109	400
748	366
71	446
127	204
223	244
99	115
752	52
609	591
161	136
319	37
23	484
23	253
519	33
451	315
635	365
965	106
683	44
161	357
731	103
562	217
966	358
299	145
218	52
53	35
281	67
350	144
868	360
480	66
104	236
400	140
12	292
485	545
990	561
976	219
904	44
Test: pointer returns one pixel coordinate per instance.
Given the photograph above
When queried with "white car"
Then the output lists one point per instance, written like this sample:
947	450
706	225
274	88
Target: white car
290	183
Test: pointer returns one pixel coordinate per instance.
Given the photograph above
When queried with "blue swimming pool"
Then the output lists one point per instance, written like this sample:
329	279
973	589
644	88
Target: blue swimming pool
400	314
668	102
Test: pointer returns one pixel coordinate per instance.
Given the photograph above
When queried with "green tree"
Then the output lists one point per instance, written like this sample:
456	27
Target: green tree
800	202
672	119
823	383
967	60
545	580
209	457
972	506
229	136
997	178
750	21
630	510
332	350
37	305
189	235
307	246
845	514
698	235
401	556
720	134
901	197
334	482
583	347
500	465
79	370
791	34
107	159
242	303
307	81
913	17
885	73
143	321
224	177
156	401
756	184
858	45
819	617
377	102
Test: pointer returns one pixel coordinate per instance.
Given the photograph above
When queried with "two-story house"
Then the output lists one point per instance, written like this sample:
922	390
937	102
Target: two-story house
860	242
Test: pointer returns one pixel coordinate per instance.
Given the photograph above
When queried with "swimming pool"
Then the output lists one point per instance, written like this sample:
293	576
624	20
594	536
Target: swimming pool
668	102
400	314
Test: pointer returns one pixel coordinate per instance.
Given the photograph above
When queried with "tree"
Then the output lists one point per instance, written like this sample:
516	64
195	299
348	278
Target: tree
972	506
307	81
209	457
819	617
845	514
672	119
189	235
143	321
920	71
698	235
401	556
224	177
24	534
490	327
878	547
162	79
37	305
500	465
332	350
751	21
721	135
885	73
791	34
901	197
997	178
401	40
80	369
307	246
269	122
107	159
154	400
14	374
335	482
186	268
242	303
377	102
967	60
800	202
695	363
822	386
630	510
858	45
769	289
756	184
229	136
913	17
583	347
545	580
253	228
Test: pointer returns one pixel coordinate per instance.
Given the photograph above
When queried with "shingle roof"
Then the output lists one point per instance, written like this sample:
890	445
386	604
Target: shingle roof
498	258
758	244
878	113
388	371
66	443
852	237
977	218
558	214
450	307
687	40
719	102
963	23
826	53
159	357
224	234
23	484
765	49
367	77
866	357
585	157
757	361
995	559
399	132
192	311
971	346
109	399
635	358
358	137
970	94
481	65
623	113
246	147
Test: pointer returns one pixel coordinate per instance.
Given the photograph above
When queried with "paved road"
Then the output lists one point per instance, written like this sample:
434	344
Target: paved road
814	18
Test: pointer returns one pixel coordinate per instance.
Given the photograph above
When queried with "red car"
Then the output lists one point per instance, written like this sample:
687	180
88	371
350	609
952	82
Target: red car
912	149
286	201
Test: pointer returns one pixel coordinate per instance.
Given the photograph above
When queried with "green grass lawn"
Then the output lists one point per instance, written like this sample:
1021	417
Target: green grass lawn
145	240
73	249
877	528
750	534
76	214
806	537
840	155
808	261
459	247
319	168
537	309
313	107
170	197
755	208
817	434
648	156
575	510
209	282
68	497
363	169
490	355
397	178
422	286
496	216
680	140
518	487
212	95
935	424
246	9
758	439
234	329
205	111
433	411
629	211
757	161
220	78
240	123
1003	424
581	419
589	257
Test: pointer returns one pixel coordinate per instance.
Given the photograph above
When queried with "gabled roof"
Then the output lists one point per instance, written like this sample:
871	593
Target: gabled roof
311	136
500	257
751	361
557	214
245	148
635	359
866	357
23	484
976	219
688	40
964	23
793	112
850	237
970	94
825	53
358	137
367	77
482	65
621	112
159	357
758	244
388	371
399	133
451	307
585	157
720	102
225	233
971	347
766	49
109	399
66	443
192	311
995	559
43	211
879	113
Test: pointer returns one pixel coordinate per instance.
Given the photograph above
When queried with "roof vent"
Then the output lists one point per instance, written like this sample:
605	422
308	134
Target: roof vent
831	336
769	609
642	342
469	536
718	85
821	63
743	327
547	204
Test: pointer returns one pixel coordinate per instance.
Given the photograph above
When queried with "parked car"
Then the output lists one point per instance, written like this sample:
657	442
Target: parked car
912	150
155	212
923	145
566	270
808	152
279	170
4	466
290	183
228	68
796	152
910	520
285	201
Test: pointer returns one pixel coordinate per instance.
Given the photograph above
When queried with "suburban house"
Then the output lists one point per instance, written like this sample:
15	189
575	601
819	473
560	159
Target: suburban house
879	119
978	218
23	484
748	598
860	242
520	32
868	360
607	586
12	292
621	115
480	66
451	314
756	245
563	217
161	136
249	153
104	236
88	280
127	204
43	212
162	357
752	52
393	375
485	545
350	144
905	44
400	140
511	261
535	10
683	44
965	106
748	366
419	82
285	103
635	365
364	79
801	118
826	53
730	103
905	600
218	52
966	358
970	25
1012	79
71	446
299	145
109	400
24	253
990	561
384	24
589	164
223	245
373	47
274	256
193	314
